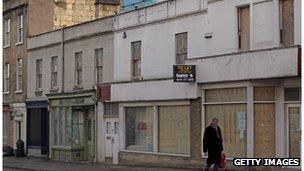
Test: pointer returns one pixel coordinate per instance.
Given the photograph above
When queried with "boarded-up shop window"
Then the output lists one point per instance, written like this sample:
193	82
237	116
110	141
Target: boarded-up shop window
136	59
244	28
287	22
264	121
232	118
294	132
139	128
181	46
264	94
174	129
226	95
292	94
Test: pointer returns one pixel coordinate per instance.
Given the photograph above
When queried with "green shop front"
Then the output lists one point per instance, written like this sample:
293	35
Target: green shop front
72	121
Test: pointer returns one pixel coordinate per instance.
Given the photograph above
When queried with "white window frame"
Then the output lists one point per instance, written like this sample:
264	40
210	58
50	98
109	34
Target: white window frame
7	36
38	74
19	75
6	80
98	65
54	71
78	80
20	30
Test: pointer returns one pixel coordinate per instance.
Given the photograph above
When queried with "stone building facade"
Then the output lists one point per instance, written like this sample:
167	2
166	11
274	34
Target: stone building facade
26	18
69	12
14	68
84	58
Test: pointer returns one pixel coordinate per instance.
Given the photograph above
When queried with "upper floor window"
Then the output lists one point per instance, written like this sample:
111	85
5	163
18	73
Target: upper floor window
181	48
136	59
6	75
19	75
20	29
99	65
54	71
7	29
244	28
287	22
78	68
38	73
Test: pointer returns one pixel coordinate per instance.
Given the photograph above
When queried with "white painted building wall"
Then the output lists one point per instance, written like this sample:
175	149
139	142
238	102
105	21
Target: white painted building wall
157	25
220	19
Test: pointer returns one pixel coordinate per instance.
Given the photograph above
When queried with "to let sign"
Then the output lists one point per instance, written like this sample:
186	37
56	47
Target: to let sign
184	73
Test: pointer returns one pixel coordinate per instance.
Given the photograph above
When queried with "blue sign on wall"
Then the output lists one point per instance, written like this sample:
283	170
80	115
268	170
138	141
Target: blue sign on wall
133	4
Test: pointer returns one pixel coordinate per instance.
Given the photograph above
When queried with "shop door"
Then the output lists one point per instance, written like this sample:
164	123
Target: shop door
112	139
264	130
294	130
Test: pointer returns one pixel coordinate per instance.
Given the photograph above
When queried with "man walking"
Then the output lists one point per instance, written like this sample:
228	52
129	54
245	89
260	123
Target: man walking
213	143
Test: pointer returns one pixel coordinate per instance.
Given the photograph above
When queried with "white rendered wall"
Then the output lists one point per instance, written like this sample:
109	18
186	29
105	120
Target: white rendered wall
158	35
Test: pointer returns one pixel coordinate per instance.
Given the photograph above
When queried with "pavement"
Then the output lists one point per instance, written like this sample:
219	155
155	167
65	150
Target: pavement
39	164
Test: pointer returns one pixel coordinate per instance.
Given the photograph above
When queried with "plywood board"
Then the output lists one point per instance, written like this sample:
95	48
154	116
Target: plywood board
264	130
294	132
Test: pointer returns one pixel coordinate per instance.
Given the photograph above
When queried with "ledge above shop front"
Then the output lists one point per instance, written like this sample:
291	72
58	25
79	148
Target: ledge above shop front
259	64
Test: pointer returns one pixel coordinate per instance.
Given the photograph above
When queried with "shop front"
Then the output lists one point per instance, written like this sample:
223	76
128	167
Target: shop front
163	133
72	124
258	118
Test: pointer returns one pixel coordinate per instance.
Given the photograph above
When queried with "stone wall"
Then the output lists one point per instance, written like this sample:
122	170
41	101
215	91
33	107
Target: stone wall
77	11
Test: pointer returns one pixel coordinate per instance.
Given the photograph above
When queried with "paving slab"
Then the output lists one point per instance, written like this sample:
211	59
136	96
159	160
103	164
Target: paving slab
40	164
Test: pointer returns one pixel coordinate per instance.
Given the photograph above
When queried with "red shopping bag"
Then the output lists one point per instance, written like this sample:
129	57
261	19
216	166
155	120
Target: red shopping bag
223	161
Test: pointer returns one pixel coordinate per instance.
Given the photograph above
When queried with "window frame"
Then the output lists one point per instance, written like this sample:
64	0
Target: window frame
136	60
7	36
181	52
54	72
78	69
6	81
39	73
99	66
20	29
155	126
19	74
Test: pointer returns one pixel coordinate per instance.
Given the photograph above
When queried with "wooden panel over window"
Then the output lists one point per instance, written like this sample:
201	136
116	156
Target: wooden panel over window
264	130
226	95
287	22
264	94
174	129
244	28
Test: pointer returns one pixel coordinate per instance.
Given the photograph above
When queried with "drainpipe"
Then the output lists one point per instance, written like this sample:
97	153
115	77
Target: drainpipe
62	57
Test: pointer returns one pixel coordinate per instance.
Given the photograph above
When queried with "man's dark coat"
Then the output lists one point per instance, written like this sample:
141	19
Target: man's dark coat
213	144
